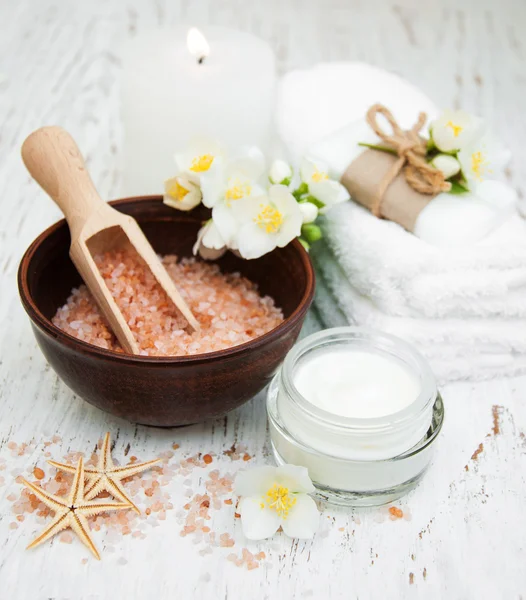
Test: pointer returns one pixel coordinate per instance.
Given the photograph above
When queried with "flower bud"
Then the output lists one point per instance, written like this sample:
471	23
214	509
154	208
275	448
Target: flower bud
311	233
449	165
309	212
280	172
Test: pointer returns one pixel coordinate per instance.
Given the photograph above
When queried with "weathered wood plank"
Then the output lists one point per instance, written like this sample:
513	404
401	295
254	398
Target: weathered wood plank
465	537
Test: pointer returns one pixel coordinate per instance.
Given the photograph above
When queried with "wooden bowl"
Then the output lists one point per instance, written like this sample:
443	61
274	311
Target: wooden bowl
164	391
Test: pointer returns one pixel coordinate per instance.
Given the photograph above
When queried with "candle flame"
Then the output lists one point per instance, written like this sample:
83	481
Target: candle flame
197	44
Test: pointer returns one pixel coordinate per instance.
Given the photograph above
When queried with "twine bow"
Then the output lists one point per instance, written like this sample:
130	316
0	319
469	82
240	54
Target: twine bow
411	150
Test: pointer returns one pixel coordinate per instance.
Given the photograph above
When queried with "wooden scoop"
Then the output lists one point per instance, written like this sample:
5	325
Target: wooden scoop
54	160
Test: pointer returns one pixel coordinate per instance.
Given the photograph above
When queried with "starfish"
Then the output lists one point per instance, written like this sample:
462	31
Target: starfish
106	476
71	511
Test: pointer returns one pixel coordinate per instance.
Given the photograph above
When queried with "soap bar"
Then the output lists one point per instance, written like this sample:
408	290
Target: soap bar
442	220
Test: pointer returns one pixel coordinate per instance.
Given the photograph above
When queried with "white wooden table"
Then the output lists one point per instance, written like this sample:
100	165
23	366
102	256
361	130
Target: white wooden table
463	534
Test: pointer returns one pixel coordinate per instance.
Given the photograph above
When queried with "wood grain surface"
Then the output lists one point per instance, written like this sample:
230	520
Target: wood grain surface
463	531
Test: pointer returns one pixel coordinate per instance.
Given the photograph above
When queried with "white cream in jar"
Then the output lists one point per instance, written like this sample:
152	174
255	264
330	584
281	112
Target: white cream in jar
355	383
360	410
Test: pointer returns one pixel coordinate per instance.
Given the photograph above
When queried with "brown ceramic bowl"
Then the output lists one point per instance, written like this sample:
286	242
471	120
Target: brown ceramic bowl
164	391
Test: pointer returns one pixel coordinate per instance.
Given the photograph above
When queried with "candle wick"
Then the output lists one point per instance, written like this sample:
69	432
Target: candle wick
201	60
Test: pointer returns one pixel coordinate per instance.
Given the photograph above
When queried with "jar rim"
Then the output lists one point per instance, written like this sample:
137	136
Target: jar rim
423	444
370	340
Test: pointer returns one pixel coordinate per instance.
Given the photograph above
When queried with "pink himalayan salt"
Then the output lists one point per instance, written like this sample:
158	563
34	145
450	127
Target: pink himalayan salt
247	559
196	515
118	524
227	306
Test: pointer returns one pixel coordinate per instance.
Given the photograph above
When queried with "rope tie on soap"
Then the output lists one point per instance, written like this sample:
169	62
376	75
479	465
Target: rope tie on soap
411	151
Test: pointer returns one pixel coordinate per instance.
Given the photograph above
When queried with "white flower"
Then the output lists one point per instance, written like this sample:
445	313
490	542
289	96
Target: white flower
328	191
446	163
482	159
267	221
274	497
454	129
241	179
280	172
181	193
309	212
209	244
202	164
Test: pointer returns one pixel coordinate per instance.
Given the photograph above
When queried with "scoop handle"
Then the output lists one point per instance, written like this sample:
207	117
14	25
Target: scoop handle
53	159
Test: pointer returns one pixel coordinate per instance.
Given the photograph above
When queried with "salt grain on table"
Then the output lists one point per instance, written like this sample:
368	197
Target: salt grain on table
195	518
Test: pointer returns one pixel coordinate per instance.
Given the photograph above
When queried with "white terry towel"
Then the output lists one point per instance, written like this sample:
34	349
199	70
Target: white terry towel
456	348
464	308
314	102
402	274
408	277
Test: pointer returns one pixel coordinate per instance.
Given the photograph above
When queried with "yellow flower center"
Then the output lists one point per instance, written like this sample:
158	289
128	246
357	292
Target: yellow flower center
479	165
457	129
177	191
201	163
238	190
318	176
278	499
269	219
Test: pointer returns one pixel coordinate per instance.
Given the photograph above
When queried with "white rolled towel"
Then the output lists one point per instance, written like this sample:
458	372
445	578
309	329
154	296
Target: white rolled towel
320	112
315	102
448	220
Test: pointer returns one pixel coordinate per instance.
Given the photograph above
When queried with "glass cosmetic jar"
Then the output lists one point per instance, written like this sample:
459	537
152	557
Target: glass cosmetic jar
360	409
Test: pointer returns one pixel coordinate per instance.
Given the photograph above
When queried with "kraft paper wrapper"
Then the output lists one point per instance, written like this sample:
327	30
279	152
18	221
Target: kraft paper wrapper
401	203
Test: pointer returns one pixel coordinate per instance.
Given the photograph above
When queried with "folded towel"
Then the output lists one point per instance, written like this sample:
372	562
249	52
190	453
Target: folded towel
455	348
410	278
464	308
311	103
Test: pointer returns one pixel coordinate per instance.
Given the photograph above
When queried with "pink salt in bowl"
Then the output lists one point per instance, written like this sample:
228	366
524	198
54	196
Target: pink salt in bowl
164	391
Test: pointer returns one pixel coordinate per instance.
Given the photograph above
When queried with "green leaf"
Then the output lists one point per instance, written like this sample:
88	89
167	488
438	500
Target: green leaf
317	203
285	181
311	232
301	191
457	188
380	148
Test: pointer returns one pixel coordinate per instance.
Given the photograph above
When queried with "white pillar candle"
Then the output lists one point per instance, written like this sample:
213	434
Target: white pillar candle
178	87
360	410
